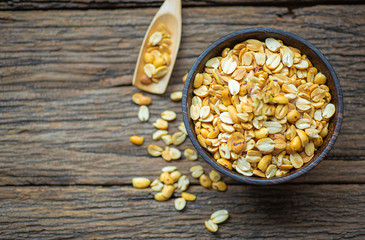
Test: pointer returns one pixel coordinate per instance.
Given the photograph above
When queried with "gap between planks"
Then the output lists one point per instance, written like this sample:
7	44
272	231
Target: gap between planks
111	5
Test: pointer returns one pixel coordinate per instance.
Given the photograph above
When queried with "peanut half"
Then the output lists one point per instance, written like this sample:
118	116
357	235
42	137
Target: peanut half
137	140
176	96
141	182
140	99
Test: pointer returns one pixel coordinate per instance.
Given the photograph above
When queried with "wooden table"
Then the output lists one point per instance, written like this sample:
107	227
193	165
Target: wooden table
66	115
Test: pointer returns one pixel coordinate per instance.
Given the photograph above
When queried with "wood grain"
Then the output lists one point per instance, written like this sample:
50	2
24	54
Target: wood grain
89	4
82	138
66	112
66	116
275	212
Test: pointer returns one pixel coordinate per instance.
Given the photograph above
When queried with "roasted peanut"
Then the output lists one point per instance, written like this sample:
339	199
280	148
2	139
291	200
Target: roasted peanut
261	133
211	226
220	186
167	191
205	181
137	140
176	96
145	80
175	175
264	162
214	176
160	197
293	116
156	57
296	144
141	182
188	196
166	178
168	115
320	78
154	150
161	124
190	154
140	99
225	163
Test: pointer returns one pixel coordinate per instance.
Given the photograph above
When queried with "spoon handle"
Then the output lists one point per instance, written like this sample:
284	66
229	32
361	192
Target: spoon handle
171	6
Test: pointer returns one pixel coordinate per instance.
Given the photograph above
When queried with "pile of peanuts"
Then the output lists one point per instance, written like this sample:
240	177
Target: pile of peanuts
157	57
261	108
172	183
162	124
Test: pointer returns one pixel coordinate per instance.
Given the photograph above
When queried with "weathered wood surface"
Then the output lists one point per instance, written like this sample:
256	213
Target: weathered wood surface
65	81
275	212
66	115
106	4
83	139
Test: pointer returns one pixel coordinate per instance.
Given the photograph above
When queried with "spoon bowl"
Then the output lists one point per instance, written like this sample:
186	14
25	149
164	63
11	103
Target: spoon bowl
170	15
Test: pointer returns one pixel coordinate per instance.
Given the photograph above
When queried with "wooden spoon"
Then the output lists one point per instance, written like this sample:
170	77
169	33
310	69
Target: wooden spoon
170	15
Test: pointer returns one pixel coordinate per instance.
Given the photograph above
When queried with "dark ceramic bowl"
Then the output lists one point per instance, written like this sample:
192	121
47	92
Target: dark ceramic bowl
289	39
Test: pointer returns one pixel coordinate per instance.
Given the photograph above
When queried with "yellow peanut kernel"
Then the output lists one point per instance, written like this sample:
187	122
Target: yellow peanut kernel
188	196
137	140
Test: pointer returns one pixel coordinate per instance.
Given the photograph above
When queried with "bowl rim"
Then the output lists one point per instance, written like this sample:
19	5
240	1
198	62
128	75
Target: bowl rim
243	178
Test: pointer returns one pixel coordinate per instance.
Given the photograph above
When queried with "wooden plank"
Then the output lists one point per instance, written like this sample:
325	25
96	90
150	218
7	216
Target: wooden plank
106	4
66	112
275	212
97	45
81	137
88	4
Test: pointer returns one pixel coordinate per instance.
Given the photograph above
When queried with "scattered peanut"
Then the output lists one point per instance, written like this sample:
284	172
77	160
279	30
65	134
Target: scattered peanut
211	226
137	140
175	153
140	99
205	181
190	154
180	204
167	191
168	115
175	175
158	134
168	169
214	176
183	183
154	150
156	185
188	196
160	197
178	138
141	182
219	216
143	113
166	154
220	186
167	139
182	128
176	96
161	124
166	178
216	218
196	171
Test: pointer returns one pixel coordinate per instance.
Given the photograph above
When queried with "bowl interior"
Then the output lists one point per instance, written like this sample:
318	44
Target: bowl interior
289	39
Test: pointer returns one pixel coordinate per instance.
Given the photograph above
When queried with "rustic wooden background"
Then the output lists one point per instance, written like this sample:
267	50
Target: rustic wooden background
66	115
